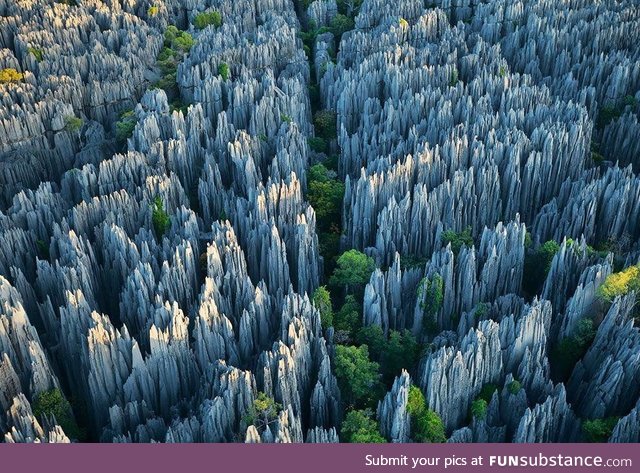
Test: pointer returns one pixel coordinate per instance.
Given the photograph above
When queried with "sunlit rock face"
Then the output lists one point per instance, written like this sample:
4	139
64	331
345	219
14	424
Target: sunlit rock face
162	237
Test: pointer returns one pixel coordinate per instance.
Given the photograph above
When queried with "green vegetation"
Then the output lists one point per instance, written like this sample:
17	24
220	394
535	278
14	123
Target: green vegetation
609	113
567	353
426	425
357	375
153	10
514	387
9	76
263	412
176	44
43	249
159	217
598	430
348	319
72	123
457	239
53	403
537	264
487	391
340	25
37	53
223	70
286	118
359	427
322	300
324	122
204	19
412	261
453	80
620	283
125	126
325	195
353	270
479	409
430	293
317	144
400	350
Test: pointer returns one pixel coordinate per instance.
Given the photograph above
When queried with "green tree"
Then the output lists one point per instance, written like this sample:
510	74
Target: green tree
325	196
353	270
53	403
204	19
348	318
357	375
373	337
324	122
263	412
571	349
400	351
426	425
457	239
537	264
487	391
223	70
317	144
340	25
430	293
322	300
598	430
159	217
153	10
359	427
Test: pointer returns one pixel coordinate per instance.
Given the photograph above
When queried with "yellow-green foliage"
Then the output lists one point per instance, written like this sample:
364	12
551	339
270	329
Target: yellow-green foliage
204	19
153	10
37	53
618	284
10	75
72	123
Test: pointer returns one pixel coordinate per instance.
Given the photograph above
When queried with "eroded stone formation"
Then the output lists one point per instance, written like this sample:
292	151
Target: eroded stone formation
161	277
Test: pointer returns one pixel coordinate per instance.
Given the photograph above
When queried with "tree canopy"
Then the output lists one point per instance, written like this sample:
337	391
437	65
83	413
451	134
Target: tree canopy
353	269
426	425
357	375
359	427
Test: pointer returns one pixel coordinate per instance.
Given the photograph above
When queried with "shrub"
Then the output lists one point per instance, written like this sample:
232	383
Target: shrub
53	403
514	387
453	80
619	284
125	126
286	118
204	19
37	53
10	75
72	123
457	239
263	412
357	375
426	425
159	217
359	427
153	10
598	430
223	70
341	24
322	300
479	409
